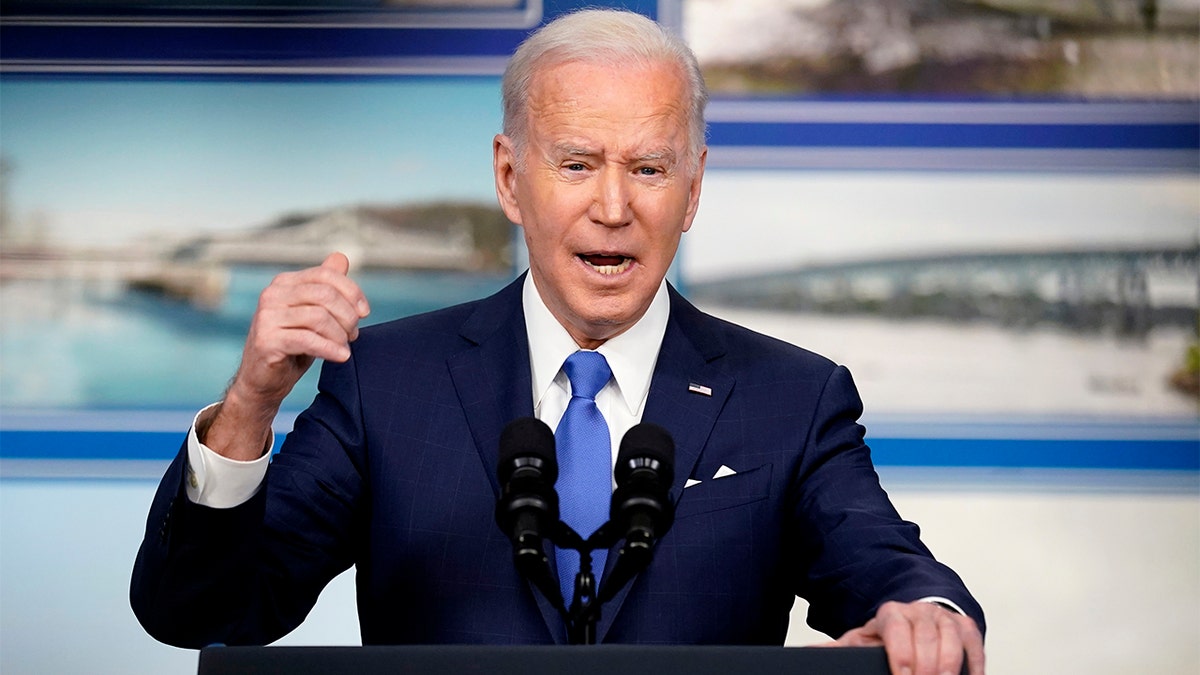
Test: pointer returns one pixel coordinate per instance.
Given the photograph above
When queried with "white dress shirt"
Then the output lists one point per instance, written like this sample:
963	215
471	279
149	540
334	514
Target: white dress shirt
631	357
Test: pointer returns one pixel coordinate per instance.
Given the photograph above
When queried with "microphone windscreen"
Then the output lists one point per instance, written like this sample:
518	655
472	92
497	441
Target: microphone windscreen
646	441
527	438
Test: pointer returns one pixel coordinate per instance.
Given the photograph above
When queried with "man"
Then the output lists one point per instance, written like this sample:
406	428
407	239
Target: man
392	468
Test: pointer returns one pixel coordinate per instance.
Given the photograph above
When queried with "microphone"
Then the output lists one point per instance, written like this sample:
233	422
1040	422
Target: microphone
528	504
641	507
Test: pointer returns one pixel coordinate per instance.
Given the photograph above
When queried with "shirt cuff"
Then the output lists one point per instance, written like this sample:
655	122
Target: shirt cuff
217	481
944	602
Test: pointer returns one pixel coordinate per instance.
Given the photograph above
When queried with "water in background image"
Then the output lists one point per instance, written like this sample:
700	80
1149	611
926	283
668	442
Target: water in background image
66	344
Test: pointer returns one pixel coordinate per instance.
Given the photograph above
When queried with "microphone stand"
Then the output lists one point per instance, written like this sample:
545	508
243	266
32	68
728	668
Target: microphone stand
584	612
585	608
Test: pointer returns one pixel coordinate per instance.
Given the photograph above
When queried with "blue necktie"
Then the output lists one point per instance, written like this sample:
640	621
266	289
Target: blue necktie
585	464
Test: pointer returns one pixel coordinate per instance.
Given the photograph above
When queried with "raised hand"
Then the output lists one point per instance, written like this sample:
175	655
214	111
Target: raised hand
301	316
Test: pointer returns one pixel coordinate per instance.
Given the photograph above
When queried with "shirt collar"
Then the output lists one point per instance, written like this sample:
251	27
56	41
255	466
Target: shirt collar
631	355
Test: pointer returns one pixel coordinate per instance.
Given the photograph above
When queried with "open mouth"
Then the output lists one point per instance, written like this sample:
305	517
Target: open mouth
606	263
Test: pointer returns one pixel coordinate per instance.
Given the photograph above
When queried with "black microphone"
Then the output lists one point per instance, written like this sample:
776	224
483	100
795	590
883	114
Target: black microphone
641	507
528	505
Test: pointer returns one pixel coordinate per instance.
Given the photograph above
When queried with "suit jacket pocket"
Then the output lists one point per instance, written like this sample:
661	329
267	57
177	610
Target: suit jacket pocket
726	492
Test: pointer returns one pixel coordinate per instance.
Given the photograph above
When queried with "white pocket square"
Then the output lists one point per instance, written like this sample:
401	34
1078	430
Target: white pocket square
723	471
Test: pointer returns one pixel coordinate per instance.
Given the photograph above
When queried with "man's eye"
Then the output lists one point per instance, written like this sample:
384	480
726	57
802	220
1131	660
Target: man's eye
576	166
648	171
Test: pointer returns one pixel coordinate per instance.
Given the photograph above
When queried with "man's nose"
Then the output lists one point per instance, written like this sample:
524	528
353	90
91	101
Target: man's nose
611	204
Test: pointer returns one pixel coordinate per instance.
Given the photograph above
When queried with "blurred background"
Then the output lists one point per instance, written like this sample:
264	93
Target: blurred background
989	210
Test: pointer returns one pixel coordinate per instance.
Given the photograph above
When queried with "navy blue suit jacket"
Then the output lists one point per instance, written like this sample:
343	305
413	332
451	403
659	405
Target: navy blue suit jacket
393	470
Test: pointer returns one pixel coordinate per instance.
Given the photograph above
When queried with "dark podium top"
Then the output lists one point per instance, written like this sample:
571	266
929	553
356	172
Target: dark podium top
531	660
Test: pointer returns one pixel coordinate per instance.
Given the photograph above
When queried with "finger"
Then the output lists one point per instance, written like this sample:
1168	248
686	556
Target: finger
315	319
853	638
336	269
976	663
332	271
866	636
296	342
269	351
950	644
278	299
337	262
897	634
323	301
973	643
352	293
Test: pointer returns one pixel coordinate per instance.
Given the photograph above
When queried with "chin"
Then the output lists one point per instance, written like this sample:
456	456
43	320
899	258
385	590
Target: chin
608	320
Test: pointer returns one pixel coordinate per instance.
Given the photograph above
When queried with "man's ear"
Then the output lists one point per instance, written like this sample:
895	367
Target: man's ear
694	191
504	167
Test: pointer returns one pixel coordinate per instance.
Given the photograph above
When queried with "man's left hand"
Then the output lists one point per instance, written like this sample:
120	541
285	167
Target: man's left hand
921	638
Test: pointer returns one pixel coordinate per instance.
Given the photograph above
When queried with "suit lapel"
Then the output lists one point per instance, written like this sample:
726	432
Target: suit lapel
689	388
688	357
495	387
493	380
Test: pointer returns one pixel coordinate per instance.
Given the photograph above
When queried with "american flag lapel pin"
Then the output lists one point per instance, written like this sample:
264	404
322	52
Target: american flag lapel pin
699	389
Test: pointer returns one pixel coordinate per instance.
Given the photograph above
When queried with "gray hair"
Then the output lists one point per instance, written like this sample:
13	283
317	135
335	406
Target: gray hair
606	36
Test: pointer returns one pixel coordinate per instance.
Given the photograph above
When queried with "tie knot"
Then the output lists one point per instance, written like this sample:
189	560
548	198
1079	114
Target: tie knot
588	373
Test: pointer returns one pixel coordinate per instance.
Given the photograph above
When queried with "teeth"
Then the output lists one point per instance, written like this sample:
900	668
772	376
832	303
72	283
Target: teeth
612	269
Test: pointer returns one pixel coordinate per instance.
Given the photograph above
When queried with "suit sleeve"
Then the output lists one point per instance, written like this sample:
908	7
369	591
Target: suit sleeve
251	573
857	551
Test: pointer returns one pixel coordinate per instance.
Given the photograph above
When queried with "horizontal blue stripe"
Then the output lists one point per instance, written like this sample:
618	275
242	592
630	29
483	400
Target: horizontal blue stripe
1128	454
1020	136
47	444
99	445
1124	454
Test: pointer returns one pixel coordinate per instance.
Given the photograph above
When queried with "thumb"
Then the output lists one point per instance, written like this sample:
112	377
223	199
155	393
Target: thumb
859	637
338	262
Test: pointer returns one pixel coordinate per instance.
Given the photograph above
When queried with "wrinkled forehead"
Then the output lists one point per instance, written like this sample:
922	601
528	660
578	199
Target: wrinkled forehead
642	99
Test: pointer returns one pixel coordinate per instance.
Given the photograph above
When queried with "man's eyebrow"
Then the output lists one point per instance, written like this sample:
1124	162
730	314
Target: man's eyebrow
571	149
665	154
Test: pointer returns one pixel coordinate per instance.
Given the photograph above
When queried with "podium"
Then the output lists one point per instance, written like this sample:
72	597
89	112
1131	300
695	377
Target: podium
536	660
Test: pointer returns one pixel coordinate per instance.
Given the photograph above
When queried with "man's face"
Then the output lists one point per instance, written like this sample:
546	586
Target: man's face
605	191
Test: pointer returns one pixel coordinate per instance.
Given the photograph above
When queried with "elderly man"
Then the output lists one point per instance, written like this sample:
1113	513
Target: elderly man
392	468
